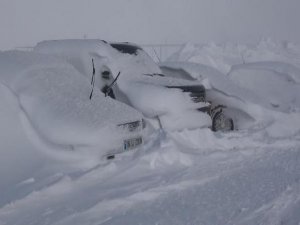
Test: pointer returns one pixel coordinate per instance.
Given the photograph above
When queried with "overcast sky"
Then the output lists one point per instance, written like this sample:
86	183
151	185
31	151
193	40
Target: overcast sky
25	22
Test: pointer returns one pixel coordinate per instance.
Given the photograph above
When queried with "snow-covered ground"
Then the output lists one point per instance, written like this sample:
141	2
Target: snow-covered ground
248	176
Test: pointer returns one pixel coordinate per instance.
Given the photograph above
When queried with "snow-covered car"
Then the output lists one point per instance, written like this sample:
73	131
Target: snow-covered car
126	72
188	108
277	83
241	105
254	93
57	113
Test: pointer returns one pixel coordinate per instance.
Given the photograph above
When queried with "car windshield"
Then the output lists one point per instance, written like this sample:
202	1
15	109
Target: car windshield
126	48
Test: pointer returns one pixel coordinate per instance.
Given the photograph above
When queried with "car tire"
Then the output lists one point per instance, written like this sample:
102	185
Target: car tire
220	122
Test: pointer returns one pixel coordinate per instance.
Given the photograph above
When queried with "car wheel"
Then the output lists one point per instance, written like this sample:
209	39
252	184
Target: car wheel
220	122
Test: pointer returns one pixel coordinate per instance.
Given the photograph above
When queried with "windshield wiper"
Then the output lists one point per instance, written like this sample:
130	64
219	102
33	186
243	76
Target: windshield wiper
107	89
93	79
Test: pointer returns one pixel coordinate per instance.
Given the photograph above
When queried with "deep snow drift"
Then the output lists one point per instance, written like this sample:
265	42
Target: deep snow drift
248	176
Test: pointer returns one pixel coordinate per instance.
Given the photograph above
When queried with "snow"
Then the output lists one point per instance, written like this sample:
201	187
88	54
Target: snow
234	183
243	105
55	109
188	176
279	87
144	90
253	92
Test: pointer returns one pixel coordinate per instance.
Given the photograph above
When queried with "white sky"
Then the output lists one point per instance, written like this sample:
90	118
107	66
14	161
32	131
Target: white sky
25	22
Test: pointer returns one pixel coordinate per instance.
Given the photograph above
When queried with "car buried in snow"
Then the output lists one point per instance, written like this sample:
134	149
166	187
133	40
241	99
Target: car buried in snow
125	72
184	102
57	114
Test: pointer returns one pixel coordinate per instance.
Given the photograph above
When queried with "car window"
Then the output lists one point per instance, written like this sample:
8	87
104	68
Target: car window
126	48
